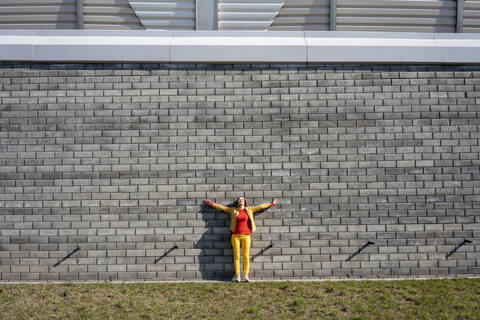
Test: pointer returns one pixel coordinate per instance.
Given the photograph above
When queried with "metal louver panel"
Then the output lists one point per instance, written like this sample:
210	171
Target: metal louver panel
471	16
311	15
40	14
251	15
109	14
396	15
164	14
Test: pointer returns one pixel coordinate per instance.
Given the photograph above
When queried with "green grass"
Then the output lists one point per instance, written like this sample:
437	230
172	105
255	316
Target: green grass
405	299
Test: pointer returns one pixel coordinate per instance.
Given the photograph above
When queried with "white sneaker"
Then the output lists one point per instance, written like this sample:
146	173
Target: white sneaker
246	279
236	278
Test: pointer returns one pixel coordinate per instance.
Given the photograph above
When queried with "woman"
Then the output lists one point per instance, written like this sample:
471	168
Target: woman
241	225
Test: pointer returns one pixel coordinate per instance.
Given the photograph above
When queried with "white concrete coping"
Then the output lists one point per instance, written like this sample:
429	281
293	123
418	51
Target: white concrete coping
393	47
237	47
242	47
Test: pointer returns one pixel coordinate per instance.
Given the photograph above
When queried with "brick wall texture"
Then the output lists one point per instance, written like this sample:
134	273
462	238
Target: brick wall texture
104	167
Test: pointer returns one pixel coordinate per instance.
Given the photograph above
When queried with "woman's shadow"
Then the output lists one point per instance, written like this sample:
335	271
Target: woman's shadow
216	254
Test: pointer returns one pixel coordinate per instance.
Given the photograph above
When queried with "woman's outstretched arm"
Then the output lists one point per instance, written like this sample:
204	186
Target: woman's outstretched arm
264	206
218	206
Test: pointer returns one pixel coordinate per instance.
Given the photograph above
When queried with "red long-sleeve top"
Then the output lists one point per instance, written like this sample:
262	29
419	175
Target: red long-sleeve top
243	226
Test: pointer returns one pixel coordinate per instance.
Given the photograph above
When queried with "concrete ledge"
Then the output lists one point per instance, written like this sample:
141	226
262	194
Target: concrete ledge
392	47
243	47
237	47
77	46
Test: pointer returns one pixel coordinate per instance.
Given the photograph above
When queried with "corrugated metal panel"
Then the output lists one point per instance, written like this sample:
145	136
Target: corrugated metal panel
109	14
396	15
471	16
40	14
164	14
247	14
303	15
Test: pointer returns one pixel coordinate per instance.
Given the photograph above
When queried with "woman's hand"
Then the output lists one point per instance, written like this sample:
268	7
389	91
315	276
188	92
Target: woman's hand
208	202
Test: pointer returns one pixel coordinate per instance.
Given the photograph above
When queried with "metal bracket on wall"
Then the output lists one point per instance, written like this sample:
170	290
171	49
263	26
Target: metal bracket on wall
457	247
166	253
262	251
66	257
359	250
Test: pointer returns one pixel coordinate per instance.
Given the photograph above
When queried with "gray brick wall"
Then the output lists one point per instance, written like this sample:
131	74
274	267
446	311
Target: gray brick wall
103	170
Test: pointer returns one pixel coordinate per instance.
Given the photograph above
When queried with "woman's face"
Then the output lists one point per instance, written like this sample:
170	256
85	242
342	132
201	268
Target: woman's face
241	202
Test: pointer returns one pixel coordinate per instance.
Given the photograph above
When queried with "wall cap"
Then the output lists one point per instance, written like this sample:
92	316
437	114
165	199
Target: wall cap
237	47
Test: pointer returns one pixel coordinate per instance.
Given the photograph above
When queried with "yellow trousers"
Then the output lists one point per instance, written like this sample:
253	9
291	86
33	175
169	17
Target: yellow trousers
244	241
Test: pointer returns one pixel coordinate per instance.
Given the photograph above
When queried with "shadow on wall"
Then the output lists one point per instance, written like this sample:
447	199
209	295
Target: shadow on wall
216	254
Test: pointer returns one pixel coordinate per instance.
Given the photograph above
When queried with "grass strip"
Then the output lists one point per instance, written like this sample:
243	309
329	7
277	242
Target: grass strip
403	299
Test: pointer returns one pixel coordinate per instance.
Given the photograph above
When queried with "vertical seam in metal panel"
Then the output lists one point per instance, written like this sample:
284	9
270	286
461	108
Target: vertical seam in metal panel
333	15
215	15
80	14
459	16
197	5
210	12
